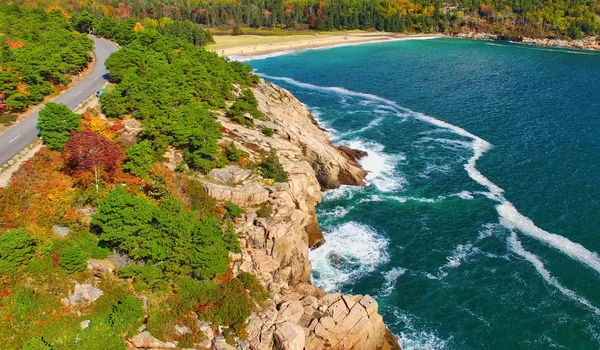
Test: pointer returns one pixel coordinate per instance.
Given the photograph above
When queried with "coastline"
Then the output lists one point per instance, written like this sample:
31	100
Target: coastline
253	47
588	43
247	47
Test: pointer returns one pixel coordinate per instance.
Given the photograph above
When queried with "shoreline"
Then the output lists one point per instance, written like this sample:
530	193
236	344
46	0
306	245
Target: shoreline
585	44
253	47
248	47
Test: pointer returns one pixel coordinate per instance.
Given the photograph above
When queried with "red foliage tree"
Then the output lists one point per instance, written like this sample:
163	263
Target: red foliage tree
89	153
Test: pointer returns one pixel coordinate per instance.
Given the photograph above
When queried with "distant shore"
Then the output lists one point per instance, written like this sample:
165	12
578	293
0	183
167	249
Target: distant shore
589	43
258	45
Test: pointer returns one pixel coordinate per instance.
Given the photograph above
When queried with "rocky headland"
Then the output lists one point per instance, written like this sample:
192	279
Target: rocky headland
589	43
276	245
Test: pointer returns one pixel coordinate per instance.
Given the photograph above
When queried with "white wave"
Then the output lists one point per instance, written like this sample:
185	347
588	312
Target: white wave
381	167
351	251
488	231
515	245
262	56
416	199
510	217
414	336
337	212
344	191
390	280
449	142
466	195
373	198
435	168
373	123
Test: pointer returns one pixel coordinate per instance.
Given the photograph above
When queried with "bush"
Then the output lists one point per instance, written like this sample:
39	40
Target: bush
271	168
72	260
199	199
126	316
8	119
16	250
167	235
237	31
232	243
233	210
140	159
253	285
233	153
100	335
145	277
268	131
265	210
36	344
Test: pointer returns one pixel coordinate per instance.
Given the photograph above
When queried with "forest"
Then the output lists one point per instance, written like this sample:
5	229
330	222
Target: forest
99	204
39	53
534	18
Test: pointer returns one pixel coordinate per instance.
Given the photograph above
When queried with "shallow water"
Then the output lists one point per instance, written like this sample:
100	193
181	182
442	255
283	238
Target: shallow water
479	227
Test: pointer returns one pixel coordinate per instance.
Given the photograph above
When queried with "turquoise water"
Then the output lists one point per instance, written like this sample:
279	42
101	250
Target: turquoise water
479	228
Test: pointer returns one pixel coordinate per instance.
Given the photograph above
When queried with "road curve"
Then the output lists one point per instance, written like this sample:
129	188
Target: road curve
22	134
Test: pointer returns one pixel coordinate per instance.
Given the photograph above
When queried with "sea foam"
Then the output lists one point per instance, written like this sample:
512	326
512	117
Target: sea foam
510	217
515	245
351	251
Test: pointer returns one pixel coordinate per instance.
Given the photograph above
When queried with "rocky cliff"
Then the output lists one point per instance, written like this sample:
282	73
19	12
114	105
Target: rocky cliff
276	245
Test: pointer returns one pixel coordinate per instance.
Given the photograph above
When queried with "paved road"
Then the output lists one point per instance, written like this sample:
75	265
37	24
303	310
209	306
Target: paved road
25	132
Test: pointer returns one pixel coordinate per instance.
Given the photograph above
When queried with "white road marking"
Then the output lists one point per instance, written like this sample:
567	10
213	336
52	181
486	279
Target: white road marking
78	93
14	138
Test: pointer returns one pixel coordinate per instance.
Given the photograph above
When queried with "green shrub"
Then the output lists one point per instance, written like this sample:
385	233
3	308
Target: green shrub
265	210
145	277
199	199
233	210
36	344
167	235
140	159
8	119
73	260
16	250
232	243
100	335
271	168
233	305
237	31
254	287
268	131
126	316
233	153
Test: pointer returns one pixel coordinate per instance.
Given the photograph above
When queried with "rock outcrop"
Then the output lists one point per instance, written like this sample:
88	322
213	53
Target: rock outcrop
275	248
275	245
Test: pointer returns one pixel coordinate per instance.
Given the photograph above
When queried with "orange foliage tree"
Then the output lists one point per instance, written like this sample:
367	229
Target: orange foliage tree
39	194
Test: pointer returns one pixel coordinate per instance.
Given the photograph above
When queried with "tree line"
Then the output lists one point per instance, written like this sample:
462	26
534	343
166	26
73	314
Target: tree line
535	18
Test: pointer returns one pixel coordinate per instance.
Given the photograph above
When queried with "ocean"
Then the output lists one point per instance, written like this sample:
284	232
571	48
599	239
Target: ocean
480	224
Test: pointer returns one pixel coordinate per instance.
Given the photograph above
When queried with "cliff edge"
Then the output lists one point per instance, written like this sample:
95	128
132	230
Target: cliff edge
276	242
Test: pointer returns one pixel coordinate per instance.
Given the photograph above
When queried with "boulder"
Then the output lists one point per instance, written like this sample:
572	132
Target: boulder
145	340
289	336
230	175
251	194
60	231
83	294
290	311
98	267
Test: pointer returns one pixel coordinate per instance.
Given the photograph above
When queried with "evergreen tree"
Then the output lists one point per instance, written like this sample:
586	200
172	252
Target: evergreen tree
55	123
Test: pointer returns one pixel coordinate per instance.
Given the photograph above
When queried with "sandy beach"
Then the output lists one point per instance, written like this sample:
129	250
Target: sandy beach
256	45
